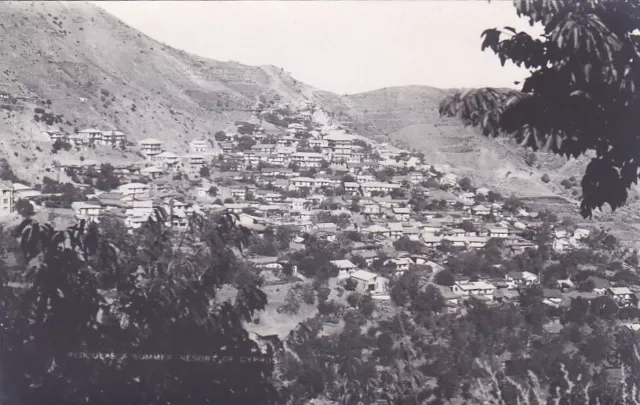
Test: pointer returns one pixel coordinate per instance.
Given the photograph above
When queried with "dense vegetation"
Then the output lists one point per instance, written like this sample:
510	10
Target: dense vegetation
100	289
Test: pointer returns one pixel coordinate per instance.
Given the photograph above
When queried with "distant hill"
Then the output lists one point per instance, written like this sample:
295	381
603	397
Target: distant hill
408	117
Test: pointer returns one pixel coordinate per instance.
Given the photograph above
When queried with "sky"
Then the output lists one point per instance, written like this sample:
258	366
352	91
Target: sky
344	46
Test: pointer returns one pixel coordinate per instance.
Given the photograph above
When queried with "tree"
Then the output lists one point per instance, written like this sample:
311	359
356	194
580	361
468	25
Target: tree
532	306
406	288
245	142
468	226
465	184
444	277
353	299
65	310
106	178
25	208
512	204
220	136
367	305
581	95
205	172
407	245
545	178
428	301
350	284
213	191
60	144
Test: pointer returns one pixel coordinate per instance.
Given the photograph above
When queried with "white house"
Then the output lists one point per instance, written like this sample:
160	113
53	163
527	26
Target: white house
198	146
401	214
499	232
135	190
368	188
152	171
7	201
479	289
307	159
151	147
345	268
368	282
91	136
516	279
87	210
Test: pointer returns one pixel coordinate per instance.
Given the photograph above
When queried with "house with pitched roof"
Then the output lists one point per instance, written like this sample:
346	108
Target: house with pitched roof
517	279
478	289
345	268
623	296
368	282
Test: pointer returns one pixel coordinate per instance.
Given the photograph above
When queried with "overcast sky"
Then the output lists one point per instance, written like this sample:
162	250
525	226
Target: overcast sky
344	47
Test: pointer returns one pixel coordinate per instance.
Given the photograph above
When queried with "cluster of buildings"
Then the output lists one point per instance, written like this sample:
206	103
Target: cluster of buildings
162	162
315	177
90	137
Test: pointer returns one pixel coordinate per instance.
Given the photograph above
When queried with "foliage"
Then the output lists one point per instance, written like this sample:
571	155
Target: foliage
107	179
213	191
6	172
25	208
66	193
444	277
580	96
104	290
245	142
353	299
205	172
407	245
465	184
59	145
291	304
367	305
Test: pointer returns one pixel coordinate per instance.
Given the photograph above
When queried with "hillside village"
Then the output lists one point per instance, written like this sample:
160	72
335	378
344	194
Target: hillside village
310	176
376	253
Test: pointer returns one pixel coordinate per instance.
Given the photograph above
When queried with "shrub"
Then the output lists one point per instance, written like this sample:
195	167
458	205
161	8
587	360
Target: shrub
366	305
353	299
350	285
566	183
308	295
546	178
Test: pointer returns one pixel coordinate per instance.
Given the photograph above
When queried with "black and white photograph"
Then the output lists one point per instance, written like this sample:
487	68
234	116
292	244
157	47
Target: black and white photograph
320	202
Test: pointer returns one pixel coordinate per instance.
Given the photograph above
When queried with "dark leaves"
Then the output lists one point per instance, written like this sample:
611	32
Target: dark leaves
601	185
580	95
491	39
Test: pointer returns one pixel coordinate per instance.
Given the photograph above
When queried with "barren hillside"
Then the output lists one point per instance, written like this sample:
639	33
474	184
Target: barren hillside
408	117
98	72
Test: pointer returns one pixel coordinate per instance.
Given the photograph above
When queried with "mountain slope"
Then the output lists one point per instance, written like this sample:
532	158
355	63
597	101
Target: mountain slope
408	117
97	71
